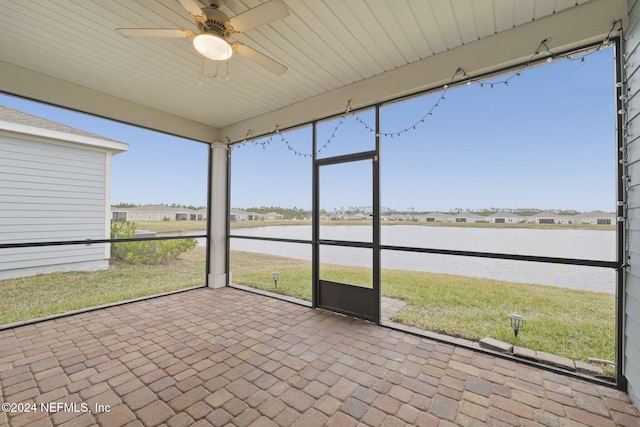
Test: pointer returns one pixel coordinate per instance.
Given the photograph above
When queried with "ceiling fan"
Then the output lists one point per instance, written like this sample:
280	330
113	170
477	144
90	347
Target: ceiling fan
215	28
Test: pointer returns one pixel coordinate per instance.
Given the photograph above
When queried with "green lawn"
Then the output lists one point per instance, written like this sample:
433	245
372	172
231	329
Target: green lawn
47	294
171	226
574	324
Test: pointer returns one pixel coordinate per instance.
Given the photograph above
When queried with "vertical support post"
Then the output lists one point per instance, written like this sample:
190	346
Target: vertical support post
376	223
218	189
315	221
621	226
228	215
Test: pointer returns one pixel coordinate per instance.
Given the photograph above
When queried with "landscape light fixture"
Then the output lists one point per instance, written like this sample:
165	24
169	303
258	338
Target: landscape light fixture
517	322
213	46
275	275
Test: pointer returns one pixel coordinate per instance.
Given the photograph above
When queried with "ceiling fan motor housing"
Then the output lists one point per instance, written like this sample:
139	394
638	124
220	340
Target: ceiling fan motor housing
215	23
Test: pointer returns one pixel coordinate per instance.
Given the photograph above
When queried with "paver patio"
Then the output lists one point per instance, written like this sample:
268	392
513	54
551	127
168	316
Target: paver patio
229	357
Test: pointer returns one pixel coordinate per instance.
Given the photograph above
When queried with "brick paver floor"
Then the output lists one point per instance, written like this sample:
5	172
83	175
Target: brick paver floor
229	357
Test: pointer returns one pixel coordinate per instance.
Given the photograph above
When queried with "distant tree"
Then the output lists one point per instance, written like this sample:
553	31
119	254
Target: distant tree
287	213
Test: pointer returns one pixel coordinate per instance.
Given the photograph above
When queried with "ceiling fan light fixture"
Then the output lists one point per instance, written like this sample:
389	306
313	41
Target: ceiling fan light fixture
212	46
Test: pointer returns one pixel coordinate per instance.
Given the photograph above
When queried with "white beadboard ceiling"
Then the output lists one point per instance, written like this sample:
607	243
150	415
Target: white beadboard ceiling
326	44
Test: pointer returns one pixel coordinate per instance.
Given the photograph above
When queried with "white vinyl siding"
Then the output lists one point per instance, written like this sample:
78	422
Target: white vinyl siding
632	297
51	192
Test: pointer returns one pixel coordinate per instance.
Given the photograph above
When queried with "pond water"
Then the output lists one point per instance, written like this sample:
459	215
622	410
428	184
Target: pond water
563	243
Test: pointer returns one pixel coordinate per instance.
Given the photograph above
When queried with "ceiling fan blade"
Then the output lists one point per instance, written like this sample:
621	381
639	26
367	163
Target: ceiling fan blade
155	32
209	68
259	58
194	10
259	15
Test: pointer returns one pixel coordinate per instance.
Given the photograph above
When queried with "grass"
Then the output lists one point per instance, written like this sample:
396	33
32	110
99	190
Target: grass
254	269
171	226
569	323
47	294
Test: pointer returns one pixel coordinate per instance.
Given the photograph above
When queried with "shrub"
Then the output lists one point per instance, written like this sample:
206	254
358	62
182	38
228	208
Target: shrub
152	252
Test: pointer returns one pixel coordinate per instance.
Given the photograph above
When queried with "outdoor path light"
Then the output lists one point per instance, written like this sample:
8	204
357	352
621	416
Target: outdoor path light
275	275
517	322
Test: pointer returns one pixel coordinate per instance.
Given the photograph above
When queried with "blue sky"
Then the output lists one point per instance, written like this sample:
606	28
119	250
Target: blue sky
157	168
544	141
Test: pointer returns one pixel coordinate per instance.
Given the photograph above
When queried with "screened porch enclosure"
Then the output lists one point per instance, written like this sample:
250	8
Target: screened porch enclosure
376	175
349	116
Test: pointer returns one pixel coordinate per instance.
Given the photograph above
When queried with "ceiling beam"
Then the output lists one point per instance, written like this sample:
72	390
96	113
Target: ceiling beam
41	87
571	28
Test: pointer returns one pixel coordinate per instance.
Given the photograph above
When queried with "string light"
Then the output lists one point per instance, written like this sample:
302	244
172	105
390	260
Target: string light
276	132
415	125
460	76
468	80
335	130
626	179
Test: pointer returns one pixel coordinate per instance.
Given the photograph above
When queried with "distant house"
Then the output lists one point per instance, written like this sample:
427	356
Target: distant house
467	217
240	215
505	218
401	217
359	216
157	213
59	189
435	217
198	215
272	216
594	217
544	218
549	218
